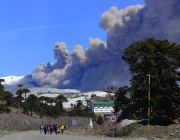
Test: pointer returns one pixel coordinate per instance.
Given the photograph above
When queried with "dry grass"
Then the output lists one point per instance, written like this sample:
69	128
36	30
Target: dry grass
16	121
163	132
138	130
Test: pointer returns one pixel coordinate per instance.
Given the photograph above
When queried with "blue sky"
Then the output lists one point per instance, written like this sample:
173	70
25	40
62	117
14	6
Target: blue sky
29	29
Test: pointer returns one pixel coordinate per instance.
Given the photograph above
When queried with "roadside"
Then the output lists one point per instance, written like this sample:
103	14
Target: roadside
7	132
35	135
171	132
134	130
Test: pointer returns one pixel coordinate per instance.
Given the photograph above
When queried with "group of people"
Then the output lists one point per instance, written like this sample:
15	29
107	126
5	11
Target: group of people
49	129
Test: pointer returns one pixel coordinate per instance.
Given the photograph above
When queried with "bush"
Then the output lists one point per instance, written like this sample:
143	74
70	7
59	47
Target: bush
119	132
8	110
2	108
100	120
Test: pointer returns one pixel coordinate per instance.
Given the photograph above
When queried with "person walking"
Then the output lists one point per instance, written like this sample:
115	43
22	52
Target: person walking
41	128
55	128
51	129
48	129
45	129
58	128
62	128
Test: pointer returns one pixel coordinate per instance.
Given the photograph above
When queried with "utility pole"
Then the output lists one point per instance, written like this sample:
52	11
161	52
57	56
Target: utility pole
148	129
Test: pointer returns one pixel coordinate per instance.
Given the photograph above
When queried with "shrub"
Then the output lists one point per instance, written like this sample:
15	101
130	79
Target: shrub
119	132
100	120
2	108
8	110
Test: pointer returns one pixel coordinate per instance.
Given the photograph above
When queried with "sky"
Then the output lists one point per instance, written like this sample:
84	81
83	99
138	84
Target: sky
30	29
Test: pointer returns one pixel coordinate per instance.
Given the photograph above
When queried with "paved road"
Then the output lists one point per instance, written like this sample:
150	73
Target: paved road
34	135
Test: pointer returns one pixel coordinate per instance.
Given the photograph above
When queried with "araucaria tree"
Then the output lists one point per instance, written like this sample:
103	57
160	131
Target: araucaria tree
19	93
161	60
1	89
59	101
121	101
33	103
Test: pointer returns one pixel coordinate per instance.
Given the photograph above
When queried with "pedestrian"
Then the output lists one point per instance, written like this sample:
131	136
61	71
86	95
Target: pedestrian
41	128
66	126
48	128
51	129
55	128
45	129
58	128
62	128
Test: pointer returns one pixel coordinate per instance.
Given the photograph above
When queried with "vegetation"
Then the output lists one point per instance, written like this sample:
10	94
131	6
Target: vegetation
1	89
160	59
42	106
100	120
121	101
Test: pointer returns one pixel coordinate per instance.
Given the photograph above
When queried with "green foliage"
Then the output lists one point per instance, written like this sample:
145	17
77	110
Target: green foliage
19	96
42	105
93	95
160	59
79	103
71	105
77	112
50	111
3	108
25	91
8	110
25	109
59	101
8	97
33	103
100	120
94	118
86	112
121	101
1	89
112	98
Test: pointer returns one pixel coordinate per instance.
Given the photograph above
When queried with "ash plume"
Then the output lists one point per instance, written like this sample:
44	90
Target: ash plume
101	65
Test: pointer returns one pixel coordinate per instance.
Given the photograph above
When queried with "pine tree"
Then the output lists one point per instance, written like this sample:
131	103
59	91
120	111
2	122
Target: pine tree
59	101
33	102
160	59
1	89
121	101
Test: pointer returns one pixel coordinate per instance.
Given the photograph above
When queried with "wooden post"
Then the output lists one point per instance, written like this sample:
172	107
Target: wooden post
148	129
113	130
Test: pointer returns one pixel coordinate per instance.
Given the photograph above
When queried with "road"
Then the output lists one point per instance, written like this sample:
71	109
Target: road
35	135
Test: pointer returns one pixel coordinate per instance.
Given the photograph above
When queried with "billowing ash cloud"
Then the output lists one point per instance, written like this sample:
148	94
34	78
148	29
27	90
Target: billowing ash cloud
101	65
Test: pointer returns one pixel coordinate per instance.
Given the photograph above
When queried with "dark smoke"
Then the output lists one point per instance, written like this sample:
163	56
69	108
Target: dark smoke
101	65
